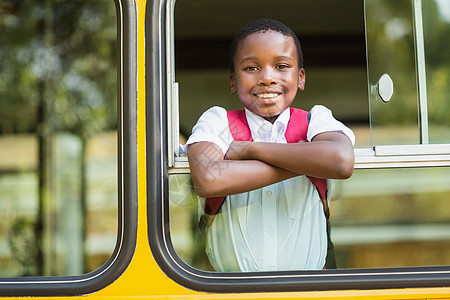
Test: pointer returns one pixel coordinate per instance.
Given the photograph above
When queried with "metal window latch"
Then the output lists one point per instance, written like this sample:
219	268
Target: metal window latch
385	88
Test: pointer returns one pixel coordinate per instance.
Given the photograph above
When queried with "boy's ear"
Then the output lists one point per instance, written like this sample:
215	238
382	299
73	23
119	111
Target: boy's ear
301	79
232	84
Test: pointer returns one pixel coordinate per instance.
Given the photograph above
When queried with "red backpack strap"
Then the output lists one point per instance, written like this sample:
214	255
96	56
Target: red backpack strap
237	122
212	206
297	127
322	188
240	131
296	131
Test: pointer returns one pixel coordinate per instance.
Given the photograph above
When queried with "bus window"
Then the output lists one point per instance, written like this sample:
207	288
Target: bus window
374	213
334	55
379	67
58	137
390	43
380	215
406	40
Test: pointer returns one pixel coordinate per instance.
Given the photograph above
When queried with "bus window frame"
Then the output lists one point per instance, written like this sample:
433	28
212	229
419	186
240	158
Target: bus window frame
127	180
161	105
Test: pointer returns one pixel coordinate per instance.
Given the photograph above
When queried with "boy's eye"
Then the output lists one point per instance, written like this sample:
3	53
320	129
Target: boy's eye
251	68
281	67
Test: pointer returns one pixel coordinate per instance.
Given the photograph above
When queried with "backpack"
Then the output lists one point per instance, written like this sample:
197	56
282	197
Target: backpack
296	131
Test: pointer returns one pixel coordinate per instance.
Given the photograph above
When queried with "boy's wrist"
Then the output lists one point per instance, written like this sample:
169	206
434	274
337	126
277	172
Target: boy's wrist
237	151
245	150
251	150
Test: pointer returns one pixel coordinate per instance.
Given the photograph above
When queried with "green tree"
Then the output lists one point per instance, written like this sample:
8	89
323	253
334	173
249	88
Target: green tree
58	74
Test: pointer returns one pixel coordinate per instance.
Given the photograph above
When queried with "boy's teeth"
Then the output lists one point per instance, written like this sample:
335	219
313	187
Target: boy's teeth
268	95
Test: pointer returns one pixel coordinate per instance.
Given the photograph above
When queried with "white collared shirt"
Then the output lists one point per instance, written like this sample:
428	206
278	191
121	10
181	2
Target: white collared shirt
278	227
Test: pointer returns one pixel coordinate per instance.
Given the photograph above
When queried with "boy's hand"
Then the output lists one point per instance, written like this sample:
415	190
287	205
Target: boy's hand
238	150
212	176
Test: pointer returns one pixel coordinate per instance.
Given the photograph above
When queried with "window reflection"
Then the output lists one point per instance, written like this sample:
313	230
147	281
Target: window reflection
58	136
390	50
185	210
436	19
377	216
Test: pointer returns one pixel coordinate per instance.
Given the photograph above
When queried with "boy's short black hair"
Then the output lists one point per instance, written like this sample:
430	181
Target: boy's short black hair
263	25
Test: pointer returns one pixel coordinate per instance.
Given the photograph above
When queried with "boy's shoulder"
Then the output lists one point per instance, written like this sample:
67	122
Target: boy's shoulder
212	113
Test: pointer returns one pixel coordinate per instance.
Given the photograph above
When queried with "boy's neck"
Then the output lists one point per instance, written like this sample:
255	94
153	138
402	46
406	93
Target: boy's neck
271	119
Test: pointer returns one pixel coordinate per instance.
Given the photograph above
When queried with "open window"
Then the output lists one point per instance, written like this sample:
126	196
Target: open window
402	143
67	139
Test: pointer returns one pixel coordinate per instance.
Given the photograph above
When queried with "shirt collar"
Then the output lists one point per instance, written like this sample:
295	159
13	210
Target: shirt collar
258	123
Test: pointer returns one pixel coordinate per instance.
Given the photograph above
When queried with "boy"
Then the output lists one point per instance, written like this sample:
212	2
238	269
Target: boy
272	217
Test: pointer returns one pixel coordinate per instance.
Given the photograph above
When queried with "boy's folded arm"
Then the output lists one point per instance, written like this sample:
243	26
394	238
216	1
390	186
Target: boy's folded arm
329	155
212	176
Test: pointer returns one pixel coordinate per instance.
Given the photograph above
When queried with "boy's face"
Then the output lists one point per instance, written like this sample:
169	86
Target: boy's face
266	73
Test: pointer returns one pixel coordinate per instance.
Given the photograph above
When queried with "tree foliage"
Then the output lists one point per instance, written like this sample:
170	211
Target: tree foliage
69	49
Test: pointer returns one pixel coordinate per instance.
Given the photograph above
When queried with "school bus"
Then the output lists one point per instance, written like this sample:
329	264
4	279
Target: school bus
96	199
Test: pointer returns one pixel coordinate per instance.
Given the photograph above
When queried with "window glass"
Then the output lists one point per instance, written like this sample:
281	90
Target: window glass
436	26
58	136
185	211
380	215
390	50
375	211
377	216
407	40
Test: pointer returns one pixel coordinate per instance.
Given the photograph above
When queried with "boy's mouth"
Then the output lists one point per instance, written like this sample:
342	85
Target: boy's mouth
267	96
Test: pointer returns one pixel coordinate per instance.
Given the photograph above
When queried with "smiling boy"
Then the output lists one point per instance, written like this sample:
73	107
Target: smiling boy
272	217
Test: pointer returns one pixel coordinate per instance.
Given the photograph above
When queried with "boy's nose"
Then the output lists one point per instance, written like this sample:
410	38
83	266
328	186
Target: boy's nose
267	78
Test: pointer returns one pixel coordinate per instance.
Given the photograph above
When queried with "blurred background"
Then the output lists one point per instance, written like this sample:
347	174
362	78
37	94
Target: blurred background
58	136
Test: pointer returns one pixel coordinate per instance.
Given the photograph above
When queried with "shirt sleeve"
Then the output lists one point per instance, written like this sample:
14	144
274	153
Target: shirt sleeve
322	120
212	126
